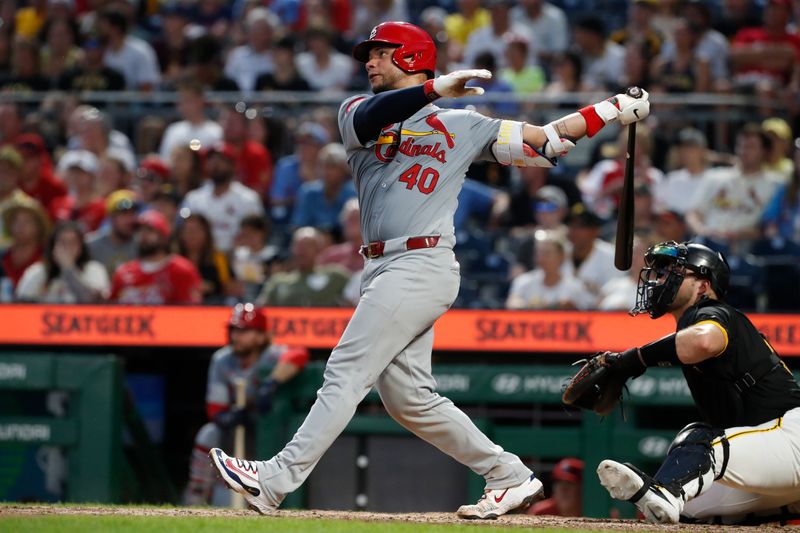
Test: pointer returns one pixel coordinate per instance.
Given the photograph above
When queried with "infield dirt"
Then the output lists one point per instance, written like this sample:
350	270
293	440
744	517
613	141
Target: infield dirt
509	521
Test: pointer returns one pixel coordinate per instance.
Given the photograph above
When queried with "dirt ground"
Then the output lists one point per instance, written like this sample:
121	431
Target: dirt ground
510	521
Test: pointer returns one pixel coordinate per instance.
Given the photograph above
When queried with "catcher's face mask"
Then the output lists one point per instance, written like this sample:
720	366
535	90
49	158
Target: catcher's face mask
660	279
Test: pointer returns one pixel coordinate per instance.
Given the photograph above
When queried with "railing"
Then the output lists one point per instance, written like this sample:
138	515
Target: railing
718	113
336	98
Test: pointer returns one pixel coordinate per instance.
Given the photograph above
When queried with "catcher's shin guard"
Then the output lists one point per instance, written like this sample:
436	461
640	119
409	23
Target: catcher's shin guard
691	465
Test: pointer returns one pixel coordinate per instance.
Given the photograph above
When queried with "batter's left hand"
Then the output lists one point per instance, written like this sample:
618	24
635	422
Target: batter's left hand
453	85
633	105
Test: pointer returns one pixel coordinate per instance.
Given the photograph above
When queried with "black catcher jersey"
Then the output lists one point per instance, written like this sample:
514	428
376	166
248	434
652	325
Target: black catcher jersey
745	385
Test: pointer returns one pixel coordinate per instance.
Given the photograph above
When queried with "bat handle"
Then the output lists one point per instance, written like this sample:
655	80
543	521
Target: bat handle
631	140
239	437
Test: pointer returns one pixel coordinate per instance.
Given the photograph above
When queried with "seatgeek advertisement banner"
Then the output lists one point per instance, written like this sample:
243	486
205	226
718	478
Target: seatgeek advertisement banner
460	330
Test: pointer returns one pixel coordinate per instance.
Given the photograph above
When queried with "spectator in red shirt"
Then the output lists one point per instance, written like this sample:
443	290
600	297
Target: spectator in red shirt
38	180
26	224
602	185
764	57
82	205
156	277
253	161
336	13
567	499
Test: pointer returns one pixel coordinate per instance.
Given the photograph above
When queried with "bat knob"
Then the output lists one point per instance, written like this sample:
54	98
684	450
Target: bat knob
634	92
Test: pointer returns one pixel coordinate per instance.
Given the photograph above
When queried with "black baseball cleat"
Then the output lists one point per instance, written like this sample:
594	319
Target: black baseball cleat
627	483
241	476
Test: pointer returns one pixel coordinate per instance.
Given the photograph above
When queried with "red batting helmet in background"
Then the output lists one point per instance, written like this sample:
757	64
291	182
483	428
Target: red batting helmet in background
248	316
415	51
568	469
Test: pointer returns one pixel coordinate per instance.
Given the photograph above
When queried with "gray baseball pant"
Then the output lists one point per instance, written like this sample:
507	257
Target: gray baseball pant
388	344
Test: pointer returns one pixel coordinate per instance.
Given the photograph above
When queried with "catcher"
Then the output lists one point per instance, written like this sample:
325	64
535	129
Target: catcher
741	463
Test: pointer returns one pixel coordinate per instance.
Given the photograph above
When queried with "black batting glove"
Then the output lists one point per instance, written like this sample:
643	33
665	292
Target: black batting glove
235	416
265	395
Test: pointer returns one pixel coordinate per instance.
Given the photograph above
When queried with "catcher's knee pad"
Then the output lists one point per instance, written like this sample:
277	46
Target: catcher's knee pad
691	465
696	433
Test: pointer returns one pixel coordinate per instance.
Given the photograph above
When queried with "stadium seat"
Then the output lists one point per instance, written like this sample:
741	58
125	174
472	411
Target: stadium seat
746	284
778	259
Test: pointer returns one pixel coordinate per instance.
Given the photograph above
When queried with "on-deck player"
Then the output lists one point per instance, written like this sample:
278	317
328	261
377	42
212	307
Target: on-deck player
409	158
247	355
742	461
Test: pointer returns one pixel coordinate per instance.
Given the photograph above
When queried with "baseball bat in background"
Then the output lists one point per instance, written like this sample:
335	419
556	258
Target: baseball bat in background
623	254
239	435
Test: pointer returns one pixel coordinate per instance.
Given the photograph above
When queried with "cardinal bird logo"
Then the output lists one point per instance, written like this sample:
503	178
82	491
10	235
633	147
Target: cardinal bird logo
434	122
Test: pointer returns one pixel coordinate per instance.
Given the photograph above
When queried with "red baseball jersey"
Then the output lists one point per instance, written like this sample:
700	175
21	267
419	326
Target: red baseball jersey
175	281
254	166
89	216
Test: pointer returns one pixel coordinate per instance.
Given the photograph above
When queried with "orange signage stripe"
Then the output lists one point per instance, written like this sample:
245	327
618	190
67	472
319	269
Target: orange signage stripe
475	330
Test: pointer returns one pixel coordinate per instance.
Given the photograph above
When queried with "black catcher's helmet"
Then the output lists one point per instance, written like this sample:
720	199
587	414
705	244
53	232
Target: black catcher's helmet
665	267
711	265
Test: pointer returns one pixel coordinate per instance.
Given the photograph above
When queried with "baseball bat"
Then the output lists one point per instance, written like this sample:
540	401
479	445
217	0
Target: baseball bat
623	254
239	435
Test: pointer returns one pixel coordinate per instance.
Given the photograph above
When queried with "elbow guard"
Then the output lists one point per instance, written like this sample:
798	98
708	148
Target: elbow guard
510	149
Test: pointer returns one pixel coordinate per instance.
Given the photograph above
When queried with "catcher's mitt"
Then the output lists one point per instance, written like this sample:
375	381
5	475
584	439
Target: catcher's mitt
597	386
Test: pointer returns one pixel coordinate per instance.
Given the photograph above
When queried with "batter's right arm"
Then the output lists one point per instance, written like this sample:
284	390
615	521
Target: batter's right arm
391	107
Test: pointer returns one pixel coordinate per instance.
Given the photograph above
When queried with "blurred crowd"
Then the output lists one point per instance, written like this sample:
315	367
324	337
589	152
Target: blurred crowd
217	201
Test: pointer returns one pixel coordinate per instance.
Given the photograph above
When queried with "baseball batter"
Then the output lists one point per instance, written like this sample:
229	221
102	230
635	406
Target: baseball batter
742	462
409	158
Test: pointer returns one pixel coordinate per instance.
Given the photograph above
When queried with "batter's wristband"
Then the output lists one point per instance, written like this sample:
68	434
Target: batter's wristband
663	352
430	92
594	122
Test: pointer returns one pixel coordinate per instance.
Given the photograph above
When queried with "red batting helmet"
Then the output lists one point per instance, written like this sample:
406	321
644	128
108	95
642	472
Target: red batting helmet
248	316
568	469
415	51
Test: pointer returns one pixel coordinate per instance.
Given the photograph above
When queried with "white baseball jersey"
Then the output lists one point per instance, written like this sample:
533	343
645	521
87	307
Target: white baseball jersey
224	212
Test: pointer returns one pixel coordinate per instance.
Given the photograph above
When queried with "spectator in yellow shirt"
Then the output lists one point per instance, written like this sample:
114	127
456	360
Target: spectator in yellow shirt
459	25
29	20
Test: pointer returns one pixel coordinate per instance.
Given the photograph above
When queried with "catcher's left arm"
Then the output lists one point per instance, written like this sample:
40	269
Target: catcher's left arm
598	384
